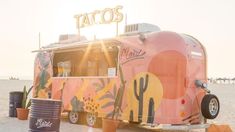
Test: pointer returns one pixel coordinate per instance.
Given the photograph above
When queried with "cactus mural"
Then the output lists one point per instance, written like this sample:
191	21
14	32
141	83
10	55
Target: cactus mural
143	85
151	111
77	105
119	97
131	116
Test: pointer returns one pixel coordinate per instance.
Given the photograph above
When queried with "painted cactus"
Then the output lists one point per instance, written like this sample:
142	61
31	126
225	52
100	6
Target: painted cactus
143	85
118	99
151	111
77	105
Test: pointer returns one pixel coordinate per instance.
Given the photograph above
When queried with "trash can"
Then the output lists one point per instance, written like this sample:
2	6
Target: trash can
15	101
45	115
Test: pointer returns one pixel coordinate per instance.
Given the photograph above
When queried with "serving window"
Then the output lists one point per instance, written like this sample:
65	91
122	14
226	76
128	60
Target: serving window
95	60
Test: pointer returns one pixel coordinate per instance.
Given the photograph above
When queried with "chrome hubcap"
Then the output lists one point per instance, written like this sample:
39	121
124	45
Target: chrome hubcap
73	117
213	106
91	119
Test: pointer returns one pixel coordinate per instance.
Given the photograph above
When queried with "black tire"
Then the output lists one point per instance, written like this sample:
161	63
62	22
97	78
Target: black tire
210	106
73	117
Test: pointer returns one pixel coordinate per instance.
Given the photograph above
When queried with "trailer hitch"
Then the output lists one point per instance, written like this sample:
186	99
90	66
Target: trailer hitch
203	85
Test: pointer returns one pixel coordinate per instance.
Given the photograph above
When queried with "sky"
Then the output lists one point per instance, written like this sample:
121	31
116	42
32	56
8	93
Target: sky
212	22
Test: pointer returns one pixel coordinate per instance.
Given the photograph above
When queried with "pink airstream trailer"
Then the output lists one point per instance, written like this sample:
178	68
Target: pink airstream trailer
145	76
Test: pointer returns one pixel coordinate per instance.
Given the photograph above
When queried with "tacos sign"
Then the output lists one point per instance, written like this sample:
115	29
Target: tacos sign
106	16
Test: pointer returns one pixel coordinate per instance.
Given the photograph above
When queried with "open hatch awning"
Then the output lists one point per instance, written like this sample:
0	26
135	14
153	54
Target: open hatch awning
62	46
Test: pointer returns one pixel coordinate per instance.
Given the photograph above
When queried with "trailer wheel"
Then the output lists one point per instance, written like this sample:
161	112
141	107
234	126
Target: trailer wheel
73	117
210	106
91	119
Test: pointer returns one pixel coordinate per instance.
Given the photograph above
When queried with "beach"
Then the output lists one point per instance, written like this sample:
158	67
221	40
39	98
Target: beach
226	96
225	93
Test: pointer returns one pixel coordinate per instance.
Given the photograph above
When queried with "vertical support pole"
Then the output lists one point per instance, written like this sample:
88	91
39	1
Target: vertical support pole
78	31
39	41
125	19
116	29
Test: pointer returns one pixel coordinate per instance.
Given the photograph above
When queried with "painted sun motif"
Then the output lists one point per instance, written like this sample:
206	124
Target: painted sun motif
145	93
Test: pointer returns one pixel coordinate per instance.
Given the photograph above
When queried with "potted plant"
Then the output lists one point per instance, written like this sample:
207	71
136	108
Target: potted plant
111	124
22	113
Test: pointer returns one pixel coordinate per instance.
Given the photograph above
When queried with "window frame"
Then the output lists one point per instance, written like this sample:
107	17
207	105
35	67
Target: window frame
93	46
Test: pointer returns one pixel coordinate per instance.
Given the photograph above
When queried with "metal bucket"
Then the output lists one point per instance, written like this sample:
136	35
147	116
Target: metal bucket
45	115
15	101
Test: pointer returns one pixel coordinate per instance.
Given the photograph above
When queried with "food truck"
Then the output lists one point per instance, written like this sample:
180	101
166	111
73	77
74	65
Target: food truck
143	76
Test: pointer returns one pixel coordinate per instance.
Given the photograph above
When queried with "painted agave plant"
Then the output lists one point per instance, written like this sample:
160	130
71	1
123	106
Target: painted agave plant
115	97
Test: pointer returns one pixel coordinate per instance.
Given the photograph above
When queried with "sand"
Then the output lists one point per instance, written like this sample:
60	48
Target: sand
225	93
